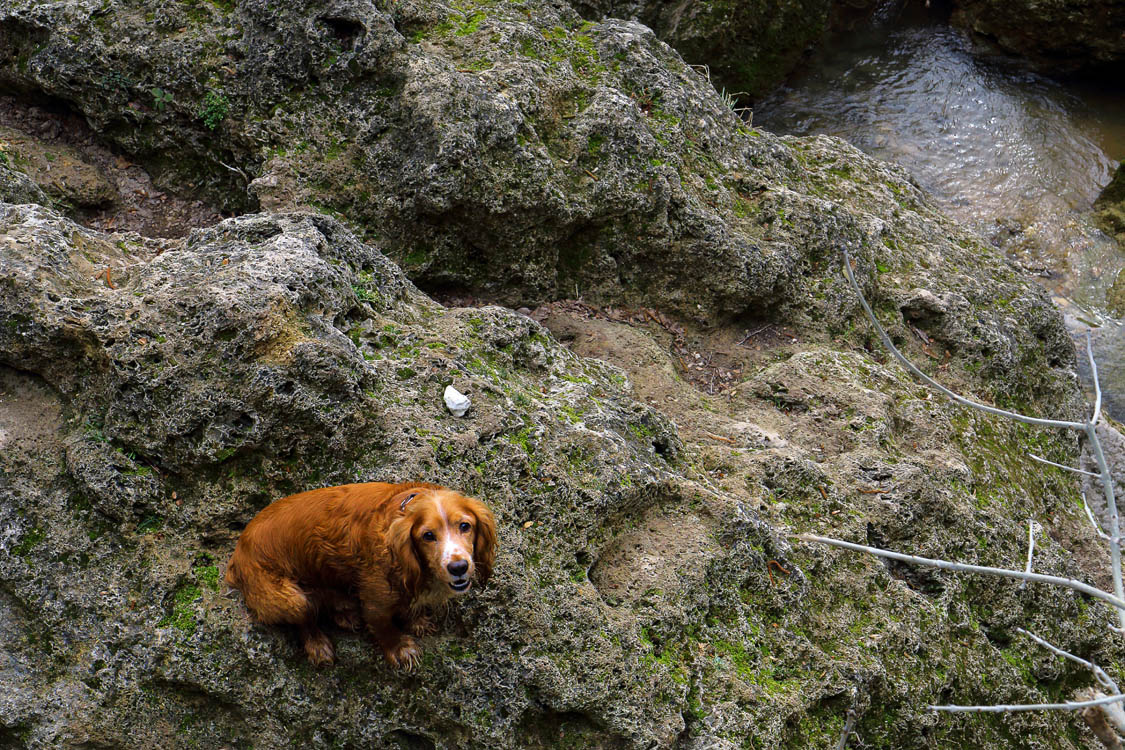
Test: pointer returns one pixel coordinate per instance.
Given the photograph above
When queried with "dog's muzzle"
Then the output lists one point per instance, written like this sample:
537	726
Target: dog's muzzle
460	585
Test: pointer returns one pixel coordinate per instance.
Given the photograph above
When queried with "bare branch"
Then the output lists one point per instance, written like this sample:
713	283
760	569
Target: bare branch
1030	547
1088	428
1061	466
1097	528
933	383
1094	375
1114	521
849	727
1030	706
1069	583
1103	678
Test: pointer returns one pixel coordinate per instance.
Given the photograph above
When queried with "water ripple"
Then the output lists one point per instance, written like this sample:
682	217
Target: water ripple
997	146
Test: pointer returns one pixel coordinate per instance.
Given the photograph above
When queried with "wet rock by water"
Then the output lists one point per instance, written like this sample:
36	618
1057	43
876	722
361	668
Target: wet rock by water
1062	37
520	153
748	47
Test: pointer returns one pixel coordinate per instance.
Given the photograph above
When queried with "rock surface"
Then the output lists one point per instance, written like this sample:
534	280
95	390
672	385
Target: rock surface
154	394
515	151
1061	36
257	357
58	170
1109	210
748	47
149	414
17	187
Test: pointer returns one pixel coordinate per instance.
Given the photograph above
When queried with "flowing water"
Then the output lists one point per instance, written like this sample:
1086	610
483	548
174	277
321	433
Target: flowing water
1017	156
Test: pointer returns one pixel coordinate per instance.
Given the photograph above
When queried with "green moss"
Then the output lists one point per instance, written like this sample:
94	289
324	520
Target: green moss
367	289
642	431
32	539
572	415
470	25
744	209
208	575
182	617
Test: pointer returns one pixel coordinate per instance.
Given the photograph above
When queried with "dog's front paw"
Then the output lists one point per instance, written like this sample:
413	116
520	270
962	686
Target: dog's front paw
422	626
320	650
405	655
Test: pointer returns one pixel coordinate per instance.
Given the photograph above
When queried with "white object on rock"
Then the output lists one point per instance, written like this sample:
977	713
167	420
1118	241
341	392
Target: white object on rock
457	403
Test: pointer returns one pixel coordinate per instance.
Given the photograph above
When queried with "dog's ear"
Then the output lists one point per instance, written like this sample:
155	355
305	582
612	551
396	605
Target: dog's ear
484	545
400	543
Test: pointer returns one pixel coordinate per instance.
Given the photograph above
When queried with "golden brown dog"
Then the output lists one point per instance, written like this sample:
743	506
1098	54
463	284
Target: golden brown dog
395	549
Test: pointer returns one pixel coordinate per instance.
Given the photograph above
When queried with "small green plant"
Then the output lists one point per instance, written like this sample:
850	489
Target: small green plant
160	99
214	109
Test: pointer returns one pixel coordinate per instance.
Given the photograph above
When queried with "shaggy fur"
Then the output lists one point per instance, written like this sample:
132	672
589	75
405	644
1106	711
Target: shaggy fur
367	554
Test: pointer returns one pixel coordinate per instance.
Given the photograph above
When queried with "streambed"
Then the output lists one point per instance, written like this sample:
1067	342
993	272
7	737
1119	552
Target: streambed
1015	155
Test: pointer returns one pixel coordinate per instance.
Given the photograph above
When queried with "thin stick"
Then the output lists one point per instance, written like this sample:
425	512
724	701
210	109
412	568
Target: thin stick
1114	521
930	381
1030	706
1034	457
1097	528
1094	375
1030	548
1099	673
1069	583
849	727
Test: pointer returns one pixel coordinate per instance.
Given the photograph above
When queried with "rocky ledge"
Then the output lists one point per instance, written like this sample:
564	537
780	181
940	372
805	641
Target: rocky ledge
156	393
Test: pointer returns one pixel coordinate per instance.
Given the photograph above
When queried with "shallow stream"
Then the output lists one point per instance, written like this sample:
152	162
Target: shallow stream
1017	156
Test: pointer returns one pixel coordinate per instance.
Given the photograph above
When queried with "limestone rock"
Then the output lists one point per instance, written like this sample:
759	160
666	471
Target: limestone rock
517	152
16	187
1109	211
146	415
58	170
749	47
1059	35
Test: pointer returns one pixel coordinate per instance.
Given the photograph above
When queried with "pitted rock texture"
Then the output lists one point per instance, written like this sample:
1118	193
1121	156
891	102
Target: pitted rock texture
17	187
157	393
147	414
512	150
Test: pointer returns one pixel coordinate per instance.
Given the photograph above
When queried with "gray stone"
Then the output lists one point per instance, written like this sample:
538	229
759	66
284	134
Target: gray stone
16	187
146	416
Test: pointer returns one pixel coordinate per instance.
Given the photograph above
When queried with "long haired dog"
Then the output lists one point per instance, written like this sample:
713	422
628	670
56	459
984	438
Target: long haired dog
370	554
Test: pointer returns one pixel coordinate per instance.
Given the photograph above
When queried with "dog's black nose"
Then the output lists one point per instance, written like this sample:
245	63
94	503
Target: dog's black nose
458	568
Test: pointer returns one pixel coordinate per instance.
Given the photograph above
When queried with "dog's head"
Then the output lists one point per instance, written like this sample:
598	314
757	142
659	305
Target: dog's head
442	536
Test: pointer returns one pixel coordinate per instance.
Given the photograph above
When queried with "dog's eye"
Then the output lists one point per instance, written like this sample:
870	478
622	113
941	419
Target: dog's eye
465	527
429	536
